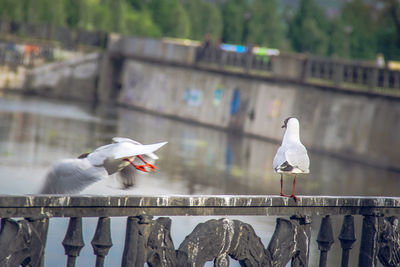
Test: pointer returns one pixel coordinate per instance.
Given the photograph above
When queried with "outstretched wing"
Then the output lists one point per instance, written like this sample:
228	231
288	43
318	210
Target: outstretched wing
71	176
127	149
100	154
124	139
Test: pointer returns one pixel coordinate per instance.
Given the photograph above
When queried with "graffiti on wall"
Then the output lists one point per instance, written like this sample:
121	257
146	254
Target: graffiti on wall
274	108
218	94
235	102
193	97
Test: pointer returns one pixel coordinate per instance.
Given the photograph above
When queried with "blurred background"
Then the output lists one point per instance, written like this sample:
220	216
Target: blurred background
215	79
357	29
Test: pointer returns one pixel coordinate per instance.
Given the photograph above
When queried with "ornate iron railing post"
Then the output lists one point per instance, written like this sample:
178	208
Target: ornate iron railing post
137	231
73	241
389	242
303	240
23	242
325	239
149	241
347	237
102	242
369	238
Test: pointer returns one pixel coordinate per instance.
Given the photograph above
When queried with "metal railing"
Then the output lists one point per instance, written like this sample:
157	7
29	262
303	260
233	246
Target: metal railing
337	73
22	242
65	37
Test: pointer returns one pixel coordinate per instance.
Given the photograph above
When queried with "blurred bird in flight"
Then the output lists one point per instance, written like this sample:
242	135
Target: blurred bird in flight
74	175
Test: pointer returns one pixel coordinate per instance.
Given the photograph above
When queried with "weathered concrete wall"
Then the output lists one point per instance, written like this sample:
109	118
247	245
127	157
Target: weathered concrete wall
156	49
355	126
75	78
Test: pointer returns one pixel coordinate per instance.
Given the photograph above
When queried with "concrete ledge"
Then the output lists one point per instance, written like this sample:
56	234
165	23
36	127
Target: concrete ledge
177	205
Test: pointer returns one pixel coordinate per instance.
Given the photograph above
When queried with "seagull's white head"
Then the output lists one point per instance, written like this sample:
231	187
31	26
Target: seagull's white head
291	122
292	132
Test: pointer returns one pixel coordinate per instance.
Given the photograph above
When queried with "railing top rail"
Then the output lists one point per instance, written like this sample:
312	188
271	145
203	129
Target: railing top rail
182	205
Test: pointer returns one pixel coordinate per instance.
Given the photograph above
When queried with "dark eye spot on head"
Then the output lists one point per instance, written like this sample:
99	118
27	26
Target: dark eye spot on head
84	155
285	122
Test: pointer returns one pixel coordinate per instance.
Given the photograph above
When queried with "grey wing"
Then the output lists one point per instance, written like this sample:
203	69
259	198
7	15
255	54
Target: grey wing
100	154
297	156
71	176
279	158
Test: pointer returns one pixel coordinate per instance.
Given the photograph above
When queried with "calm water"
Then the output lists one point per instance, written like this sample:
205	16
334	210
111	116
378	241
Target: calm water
197	160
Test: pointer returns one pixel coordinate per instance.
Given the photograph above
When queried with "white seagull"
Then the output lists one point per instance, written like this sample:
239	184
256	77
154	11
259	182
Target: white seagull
73	175
291	157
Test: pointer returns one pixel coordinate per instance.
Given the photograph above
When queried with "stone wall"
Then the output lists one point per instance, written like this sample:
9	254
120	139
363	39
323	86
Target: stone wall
341	123
74	78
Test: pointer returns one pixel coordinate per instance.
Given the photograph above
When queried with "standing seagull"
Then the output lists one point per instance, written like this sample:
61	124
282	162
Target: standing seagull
291	157
73	175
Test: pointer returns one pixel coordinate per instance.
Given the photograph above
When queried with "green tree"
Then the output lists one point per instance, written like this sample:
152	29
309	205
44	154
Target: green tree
138	4
14	10
99	18
360	28
338	44
139	23
388	32
115	8
264	24
308	29
170	17
235	13
47	12
205	18
73	12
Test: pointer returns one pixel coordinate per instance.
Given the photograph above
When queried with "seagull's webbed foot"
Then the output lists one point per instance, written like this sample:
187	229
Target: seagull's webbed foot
138	167
141	168
150	166
294	197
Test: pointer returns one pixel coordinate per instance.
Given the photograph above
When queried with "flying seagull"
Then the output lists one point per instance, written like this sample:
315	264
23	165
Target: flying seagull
73	175
291	157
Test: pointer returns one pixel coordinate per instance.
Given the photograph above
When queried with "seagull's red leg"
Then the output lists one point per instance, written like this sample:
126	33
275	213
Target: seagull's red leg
294	185
282	194
151	166
138	167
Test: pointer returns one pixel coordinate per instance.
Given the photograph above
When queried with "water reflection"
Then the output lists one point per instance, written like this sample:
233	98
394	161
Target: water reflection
197	160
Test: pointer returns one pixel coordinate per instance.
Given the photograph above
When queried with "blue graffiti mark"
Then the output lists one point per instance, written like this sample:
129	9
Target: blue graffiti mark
193	97
235	103
218	93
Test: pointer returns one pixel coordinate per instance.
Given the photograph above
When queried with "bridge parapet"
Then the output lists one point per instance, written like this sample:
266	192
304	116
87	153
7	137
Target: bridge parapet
353	75
148	240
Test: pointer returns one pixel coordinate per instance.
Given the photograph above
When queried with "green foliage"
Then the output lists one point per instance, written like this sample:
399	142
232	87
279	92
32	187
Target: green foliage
170	17
233	17
338	45
361	29
205	18
139	23
264	26
388	31
308	30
